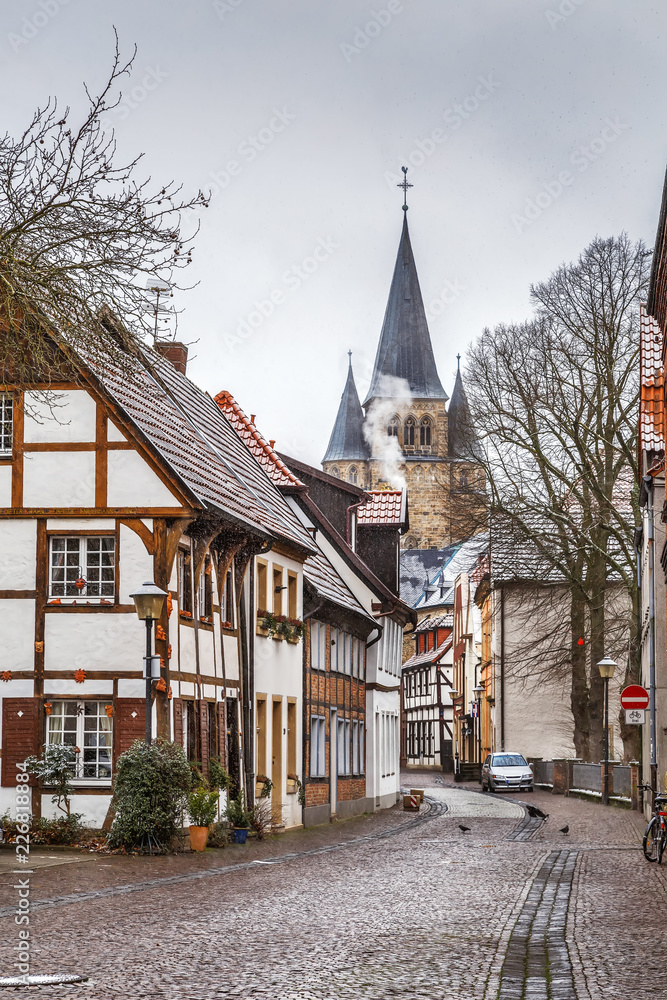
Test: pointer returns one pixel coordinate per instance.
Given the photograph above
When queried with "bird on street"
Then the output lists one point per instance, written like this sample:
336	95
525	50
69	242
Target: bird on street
536	813
464	829
565	829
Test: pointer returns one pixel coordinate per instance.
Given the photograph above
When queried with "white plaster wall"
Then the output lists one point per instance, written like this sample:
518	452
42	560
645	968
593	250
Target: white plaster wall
8	804
93	808
186	662
18	545
136	564
72	418
93	642
231	648
5	485
131	687
59	479
207	663
132	483
81	524
113	434
68	688
17	629
187	689
209	691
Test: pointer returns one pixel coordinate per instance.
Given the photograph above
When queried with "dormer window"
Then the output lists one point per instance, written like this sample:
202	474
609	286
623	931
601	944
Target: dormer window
409	432
392	428
6	423
425	433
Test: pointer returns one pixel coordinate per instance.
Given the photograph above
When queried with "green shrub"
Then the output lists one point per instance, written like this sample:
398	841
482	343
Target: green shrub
150	795
65	830
203	806
218	777
236	812
219	835
56	767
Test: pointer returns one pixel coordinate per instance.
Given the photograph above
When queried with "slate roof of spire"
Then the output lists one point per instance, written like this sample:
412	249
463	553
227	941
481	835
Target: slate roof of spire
405	349
461	437
347	439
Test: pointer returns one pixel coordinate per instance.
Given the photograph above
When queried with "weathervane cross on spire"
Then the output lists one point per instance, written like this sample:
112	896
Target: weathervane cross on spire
405	185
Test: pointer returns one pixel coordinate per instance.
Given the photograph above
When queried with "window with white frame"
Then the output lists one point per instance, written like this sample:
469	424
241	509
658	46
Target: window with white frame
318	648
227	603
357	746
6	423
336	652
83	567
318	767
88	727
344	763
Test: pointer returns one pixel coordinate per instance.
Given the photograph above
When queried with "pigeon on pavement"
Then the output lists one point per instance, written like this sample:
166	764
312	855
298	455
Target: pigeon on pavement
464	829
536	813
565	829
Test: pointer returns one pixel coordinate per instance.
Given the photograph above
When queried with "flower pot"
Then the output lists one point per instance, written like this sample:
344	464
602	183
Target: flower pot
198	837
240	834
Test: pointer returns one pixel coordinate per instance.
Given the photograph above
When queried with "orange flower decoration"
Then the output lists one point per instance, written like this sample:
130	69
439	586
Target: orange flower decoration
79	676
161	685
170	605
47	707
160	633
169	694
168	652
39	647
6	675
109	710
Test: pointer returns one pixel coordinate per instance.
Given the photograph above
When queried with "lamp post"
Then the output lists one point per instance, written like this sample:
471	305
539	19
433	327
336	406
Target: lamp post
453	695
606	666
149	602
478	691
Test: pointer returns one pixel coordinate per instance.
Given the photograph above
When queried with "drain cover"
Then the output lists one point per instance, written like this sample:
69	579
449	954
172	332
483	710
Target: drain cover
51	979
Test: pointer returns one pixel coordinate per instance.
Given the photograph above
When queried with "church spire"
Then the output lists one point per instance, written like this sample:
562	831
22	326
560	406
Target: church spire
462	439
347	439
405	350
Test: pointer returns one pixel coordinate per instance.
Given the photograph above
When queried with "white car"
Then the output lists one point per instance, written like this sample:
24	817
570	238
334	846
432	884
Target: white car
506	770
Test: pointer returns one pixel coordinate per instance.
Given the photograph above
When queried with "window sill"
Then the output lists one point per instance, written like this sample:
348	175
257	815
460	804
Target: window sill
70	602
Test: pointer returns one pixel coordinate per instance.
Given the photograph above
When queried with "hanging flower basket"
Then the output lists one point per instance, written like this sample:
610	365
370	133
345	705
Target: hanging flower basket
281	627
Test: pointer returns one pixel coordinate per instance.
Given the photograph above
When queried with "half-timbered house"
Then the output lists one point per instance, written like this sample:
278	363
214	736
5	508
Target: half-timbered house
426	706
123	472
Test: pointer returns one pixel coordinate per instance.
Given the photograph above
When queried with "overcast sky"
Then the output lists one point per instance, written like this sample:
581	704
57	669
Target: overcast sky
529	127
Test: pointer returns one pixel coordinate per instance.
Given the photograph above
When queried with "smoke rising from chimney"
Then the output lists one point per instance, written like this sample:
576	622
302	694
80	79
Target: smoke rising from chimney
393	399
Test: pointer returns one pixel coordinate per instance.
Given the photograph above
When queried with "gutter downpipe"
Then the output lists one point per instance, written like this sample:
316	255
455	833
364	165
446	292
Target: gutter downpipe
502	667
648	482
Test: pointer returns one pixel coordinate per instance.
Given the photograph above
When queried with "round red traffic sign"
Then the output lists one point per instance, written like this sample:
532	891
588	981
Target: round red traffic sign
634	696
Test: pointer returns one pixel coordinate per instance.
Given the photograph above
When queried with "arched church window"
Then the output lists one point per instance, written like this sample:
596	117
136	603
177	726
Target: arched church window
352	475
335	472
409	431
392	428
425	432
411	542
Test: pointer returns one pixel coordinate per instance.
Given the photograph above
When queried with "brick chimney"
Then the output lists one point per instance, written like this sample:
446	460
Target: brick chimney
175	352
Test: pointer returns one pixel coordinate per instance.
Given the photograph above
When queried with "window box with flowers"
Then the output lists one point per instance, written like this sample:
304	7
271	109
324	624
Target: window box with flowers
281	627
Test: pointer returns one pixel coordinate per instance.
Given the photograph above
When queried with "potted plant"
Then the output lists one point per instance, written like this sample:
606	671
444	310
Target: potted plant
203	809
239	817
263	786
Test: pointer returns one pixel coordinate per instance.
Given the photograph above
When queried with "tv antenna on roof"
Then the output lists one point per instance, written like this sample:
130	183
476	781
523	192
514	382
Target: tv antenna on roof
160	293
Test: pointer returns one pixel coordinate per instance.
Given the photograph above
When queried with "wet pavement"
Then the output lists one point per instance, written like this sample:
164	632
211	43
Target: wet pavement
388	906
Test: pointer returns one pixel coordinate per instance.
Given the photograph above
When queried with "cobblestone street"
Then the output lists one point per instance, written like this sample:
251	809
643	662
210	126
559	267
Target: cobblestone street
445	914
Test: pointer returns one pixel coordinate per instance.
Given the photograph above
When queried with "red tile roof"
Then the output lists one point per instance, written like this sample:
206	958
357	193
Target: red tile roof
261	449
386	507
652	374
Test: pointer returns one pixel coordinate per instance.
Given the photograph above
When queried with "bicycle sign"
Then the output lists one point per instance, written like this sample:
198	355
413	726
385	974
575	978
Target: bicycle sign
635	716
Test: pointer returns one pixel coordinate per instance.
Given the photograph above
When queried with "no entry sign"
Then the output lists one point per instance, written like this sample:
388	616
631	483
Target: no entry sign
634	696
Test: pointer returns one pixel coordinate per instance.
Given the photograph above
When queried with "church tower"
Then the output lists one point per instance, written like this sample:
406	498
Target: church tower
406	437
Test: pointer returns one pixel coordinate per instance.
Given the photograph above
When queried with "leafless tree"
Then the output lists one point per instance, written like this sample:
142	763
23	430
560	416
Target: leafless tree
81	236
555	404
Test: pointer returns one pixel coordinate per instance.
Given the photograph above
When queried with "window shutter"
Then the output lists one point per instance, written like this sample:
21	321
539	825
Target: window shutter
203	737
129	723
21	735
222	729
178	721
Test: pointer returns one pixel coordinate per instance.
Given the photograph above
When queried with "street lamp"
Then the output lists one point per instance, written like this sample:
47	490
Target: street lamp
606	666
478	691
149	603
454	695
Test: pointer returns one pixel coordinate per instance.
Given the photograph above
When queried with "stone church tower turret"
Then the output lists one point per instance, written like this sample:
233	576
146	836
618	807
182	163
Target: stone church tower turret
406	436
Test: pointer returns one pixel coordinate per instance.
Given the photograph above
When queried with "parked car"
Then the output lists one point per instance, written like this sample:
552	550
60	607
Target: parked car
506	770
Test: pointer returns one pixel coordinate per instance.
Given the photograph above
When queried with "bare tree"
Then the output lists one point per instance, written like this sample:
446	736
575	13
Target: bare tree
555	403
80	236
